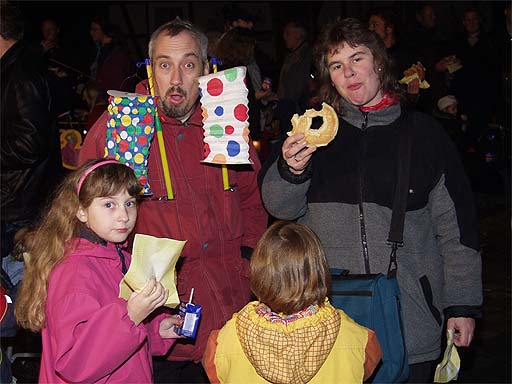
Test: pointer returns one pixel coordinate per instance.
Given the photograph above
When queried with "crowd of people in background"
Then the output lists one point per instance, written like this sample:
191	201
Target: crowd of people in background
46	95
277	90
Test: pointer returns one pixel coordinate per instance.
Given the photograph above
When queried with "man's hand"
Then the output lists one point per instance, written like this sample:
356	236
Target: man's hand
442	64
464	329
48	44
260	94
413	88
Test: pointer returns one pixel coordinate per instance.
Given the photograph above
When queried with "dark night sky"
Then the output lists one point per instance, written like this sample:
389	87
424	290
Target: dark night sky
74	18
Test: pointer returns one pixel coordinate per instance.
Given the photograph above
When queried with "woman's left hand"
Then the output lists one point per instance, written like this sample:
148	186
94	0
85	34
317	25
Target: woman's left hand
464	330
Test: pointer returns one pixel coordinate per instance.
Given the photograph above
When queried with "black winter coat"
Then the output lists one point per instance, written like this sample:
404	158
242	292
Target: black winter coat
30	153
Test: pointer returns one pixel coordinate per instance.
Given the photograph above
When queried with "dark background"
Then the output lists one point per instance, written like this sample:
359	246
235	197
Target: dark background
489	358
138	19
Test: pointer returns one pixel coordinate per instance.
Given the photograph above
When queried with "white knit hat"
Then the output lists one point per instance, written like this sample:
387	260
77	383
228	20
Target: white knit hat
445	101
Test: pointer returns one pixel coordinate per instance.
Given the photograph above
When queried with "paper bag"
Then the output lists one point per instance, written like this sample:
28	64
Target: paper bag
152	257
448	369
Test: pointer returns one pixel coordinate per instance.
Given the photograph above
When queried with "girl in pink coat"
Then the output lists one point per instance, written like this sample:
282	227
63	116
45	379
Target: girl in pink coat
74	263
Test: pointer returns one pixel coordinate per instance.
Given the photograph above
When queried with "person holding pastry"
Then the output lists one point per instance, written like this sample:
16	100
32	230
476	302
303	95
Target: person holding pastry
345	190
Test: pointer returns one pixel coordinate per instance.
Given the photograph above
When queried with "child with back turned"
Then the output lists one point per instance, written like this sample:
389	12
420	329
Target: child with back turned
292	334
74	264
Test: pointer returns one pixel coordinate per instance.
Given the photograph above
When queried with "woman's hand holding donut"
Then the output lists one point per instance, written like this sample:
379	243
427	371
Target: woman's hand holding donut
297	153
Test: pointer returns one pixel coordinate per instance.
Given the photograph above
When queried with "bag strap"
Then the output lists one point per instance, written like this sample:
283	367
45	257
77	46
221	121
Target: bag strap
396	230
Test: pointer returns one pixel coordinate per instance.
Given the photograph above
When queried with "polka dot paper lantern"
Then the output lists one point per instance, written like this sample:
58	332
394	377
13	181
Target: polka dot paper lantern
225	117
130	128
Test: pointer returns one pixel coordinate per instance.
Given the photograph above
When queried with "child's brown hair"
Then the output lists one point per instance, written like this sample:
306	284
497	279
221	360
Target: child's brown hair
49	243
288	268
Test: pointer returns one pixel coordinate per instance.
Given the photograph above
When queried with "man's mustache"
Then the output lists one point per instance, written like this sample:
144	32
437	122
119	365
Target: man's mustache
175	90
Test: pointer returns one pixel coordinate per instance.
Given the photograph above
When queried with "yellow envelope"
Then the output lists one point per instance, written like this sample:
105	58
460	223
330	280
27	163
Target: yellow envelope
152	257
448	369
407	79
453	67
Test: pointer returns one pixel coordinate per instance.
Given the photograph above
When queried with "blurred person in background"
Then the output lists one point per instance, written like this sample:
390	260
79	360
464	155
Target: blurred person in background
30	162
236	48
475	85
112	67
30	155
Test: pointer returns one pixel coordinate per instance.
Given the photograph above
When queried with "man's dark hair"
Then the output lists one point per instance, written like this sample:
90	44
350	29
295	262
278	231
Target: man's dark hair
102	21
234	12
387	14
471	9
113	31
11	22
420	7
298	24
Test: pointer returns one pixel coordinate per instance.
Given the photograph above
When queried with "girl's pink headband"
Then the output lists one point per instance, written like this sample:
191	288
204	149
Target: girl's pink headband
90	169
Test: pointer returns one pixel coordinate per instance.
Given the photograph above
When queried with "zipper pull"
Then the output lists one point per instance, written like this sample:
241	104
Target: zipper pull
365	121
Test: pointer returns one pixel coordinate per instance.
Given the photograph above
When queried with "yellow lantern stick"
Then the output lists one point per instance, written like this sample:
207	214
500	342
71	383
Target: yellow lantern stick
160	136
225	176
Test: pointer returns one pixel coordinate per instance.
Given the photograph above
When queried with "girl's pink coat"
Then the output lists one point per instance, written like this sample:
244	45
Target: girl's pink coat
88	335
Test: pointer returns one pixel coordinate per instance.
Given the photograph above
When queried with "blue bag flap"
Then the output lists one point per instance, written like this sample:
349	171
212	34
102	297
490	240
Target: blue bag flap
354	294
374	302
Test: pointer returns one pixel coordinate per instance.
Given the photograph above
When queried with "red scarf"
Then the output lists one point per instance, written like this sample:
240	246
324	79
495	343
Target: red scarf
387	100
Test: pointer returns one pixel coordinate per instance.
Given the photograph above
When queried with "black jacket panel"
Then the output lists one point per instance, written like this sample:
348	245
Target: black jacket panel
30	154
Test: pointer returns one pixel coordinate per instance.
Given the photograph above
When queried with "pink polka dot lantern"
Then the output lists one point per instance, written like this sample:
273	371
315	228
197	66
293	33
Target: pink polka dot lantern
225	117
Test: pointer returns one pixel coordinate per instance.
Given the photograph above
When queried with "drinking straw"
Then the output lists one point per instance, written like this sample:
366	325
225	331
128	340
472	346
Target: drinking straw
160	136
225	176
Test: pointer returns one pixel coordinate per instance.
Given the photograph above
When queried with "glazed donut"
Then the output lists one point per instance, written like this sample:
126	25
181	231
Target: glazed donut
317	137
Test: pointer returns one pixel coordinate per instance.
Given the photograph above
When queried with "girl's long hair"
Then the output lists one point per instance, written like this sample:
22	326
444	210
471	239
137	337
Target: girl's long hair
49	243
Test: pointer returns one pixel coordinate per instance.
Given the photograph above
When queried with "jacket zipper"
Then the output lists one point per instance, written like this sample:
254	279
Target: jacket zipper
121	257
362	226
